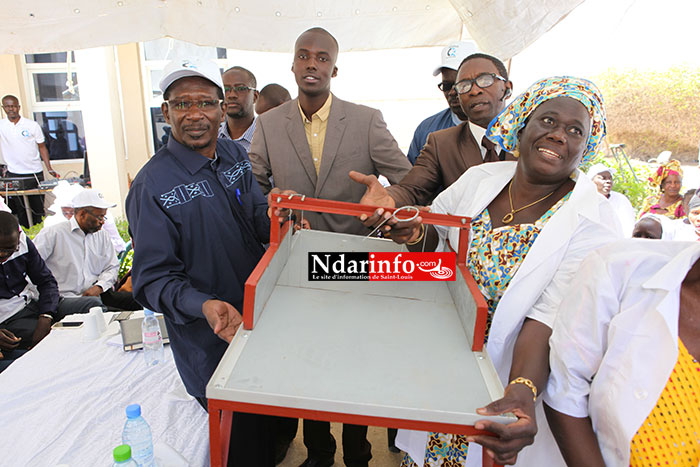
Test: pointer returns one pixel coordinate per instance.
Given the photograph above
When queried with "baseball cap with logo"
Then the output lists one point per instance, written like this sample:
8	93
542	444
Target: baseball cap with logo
452	55
184	67
91	198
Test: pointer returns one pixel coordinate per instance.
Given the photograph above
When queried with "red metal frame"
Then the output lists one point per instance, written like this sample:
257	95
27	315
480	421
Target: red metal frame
276	236
220	423
219	440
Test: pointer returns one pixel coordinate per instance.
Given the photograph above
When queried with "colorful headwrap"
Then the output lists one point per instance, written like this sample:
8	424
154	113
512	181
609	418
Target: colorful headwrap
664	170
503	130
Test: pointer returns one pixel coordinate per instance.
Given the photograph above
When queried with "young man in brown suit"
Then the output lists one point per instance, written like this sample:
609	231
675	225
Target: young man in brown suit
309	145
483	87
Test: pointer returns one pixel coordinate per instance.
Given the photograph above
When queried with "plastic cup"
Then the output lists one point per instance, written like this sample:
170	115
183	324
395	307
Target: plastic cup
90	330
96	311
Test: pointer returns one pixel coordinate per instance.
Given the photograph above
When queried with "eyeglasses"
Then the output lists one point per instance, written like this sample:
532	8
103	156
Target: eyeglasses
184	106
228	89
99	218
484	80
446	86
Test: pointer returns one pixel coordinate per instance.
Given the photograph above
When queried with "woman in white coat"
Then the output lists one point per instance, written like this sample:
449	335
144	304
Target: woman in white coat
623	390
533	221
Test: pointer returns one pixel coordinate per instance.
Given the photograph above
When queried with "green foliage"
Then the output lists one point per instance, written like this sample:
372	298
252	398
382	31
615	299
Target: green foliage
653	111
123	228
125	264
34	230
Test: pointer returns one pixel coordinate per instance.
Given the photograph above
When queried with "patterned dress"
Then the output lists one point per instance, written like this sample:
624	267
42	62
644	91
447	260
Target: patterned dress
494	257
671	433
651	204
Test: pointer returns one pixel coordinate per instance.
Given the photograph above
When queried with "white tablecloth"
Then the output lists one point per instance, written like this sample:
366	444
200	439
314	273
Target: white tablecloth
63	403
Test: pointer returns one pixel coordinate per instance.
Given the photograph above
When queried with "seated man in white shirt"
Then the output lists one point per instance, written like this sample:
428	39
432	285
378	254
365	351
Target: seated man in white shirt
81	257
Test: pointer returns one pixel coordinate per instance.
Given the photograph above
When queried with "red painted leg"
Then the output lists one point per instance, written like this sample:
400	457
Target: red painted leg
487	461
226	419
215	437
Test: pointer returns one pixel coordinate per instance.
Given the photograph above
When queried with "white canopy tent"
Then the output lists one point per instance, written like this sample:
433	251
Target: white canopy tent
499	27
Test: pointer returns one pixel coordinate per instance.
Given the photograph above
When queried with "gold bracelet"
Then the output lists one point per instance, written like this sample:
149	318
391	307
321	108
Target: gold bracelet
420	237
526	382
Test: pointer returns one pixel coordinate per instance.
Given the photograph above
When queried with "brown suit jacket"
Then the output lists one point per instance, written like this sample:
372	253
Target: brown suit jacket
447	154
356	139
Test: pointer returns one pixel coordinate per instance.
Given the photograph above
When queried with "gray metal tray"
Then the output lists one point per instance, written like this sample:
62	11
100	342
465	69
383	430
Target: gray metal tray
398	350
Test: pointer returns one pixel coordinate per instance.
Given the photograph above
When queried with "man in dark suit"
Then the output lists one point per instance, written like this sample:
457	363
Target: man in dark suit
309	145
483	87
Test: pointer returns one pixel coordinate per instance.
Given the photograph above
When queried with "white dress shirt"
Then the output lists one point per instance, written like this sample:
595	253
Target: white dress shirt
11	306
78	261
478	133
615	341
585	222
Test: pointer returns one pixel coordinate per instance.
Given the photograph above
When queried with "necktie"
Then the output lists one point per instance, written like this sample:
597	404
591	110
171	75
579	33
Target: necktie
491	152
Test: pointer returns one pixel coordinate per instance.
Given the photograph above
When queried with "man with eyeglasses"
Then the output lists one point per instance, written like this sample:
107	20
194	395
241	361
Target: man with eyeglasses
483	87
199	223
241	96
23	147
26	310
451	56
80	254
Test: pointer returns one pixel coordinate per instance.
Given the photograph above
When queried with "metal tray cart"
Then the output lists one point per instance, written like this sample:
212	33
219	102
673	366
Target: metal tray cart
397	354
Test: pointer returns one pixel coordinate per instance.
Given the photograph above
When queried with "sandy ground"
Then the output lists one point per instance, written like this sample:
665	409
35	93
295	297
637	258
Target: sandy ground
381	456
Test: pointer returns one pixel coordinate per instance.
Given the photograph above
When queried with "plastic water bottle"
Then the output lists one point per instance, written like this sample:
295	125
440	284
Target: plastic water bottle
137	434
122	457
152	339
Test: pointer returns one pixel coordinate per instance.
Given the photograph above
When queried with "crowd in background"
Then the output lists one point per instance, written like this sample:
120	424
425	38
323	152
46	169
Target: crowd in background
594	337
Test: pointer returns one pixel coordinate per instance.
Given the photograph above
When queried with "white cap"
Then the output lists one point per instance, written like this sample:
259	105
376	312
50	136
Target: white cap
91	198
596	169
452	55
184	67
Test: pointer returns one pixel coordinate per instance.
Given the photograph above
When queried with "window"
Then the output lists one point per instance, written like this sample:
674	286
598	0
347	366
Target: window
155	55
55	103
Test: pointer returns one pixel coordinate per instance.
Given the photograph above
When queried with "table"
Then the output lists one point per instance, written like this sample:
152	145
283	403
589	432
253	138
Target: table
63	403
360	352
25	194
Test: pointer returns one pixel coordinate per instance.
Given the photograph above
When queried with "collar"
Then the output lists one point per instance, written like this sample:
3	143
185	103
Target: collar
23	248
74	225
10	122
191	160
455	119
479	133
246	136
321	113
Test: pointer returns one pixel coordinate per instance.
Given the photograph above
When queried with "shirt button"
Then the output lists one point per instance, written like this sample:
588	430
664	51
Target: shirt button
315	134
315	159
641	394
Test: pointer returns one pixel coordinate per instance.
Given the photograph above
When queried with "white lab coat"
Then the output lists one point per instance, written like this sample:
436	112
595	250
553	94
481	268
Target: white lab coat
585	222
615	341
625	212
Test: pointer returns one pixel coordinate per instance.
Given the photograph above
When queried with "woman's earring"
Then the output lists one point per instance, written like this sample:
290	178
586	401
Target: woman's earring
516	151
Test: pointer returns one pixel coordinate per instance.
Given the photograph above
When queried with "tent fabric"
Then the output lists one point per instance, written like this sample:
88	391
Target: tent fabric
500	27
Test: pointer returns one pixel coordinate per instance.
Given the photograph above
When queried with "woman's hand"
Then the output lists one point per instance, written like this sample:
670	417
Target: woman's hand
510	439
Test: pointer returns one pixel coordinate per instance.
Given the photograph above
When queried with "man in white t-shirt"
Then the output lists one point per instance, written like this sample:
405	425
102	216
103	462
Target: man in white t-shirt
23	148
